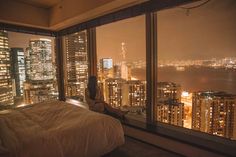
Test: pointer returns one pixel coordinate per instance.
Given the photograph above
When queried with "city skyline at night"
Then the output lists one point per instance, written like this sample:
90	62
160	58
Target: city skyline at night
214	112
196	51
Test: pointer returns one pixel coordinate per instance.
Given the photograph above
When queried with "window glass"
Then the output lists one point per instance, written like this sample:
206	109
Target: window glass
27	69
197	67
121	52
76	65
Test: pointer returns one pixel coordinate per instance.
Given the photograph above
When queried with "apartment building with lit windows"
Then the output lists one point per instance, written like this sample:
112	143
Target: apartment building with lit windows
214	113
76	59
6	95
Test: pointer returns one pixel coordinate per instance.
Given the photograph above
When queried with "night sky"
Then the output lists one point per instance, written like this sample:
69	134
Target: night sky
207	32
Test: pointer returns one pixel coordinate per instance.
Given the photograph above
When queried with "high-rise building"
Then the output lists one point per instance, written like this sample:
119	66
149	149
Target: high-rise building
117	71
136	93
124	70
169	108
170	111
214	113
39	64
76	59
40	82
18	70
186	98
105	69
6	96
106	63
129	94
168	90
114	91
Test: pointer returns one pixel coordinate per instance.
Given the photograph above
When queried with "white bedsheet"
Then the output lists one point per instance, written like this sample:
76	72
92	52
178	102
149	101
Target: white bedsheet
58	129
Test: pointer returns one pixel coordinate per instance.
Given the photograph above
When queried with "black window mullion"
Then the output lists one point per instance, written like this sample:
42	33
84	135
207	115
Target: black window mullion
151	66
60	67
92	52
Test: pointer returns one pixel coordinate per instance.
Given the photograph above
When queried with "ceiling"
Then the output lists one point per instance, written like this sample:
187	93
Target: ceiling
57	14
40	3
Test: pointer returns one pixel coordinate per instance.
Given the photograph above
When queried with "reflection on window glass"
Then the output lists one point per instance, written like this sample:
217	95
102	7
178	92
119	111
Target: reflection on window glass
197	67
27	69
76	70
122	65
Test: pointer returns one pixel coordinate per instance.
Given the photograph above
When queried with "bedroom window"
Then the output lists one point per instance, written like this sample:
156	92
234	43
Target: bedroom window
197	68
121	64
76	65
27	69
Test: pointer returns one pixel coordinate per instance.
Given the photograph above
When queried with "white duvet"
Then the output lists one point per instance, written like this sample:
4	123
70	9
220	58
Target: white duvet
58	129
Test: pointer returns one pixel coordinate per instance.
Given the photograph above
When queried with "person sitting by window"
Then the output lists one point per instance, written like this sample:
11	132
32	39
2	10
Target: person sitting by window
95	100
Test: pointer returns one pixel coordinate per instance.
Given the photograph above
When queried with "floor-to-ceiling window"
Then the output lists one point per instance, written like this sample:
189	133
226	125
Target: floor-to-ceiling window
75	65
197	67
121	64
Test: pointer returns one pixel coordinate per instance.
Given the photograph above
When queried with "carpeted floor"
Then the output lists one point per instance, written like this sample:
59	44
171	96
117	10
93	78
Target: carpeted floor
134	148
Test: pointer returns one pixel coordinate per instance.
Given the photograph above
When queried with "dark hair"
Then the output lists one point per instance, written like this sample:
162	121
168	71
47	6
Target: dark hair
92	86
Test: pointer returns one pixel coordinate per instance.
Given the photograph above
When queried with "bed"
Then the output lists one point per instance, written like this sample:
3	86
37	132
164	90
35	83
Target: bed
57	129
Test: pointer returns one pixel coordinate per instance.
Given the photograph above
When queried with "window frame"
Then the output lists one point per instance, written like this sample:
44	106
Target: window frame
199	139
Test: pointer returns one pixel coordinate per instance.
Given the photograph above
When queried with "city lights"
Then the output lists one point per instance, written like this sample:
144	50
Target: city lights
27	76
76	59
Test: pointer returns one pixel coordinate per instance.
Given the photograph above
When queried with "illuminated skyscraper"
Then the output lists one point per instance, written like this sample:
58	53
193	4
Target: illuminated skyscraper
169	108
40	82
170	111
114	91
76	59
136	93
186	98
18	70
106	63
214	113
105	69
168	90
124	70
6	96
117	71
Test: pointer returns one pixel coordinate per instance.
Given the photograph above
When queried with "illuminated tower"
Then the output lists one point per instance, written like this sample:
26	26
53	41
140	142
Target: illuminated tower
105	68
124	70
186	98
6	96
18	70
40	82
76	59
168	90
169	108
214	113
136	93
170	111
114	91
123	64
